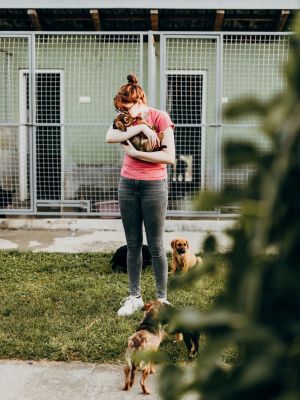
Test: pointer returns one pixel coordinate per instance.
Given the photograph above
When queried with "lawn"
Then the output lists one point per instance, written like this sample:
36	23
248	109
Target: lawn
61	306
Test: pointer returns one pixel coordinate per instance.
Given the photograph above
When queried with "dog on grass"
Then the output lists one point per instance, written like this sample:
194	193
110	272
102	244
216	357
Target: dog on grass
148	336
118	262
182	257
140	141
191	341
190	337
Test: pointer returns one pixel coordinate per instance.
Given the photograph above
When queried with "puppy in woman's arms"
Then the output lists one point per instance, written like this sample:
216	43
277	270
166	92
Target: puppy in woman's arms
182	257
140	141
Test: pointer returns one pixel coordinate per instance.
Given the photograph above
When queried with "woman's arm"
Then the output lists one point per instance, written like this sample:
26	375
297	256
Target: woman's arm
166	155
117	136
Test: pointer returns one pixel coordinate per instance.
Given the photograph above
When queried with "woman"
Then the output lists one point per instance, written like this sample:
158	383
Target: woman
143	193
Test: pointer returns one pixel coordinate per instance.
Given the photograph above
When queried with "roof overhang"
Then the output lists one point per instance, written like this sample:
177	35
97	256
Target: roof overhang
155	4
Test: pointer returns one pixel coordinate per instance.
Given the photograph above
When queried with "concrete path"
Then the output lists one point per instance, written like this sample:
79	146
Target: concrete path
92	235
20	380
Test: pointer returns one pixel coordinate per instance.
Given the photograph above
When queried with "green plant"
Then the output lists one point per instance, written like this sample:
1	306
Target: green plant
259	311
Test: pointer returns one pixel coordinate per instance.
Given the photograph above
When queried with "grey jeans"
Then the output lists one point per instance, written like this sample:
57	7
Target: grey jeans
145	202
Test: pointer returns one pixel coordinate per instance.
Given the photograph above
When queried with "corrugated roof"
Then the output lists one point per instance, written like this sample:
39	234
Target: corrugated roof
161	4
140	20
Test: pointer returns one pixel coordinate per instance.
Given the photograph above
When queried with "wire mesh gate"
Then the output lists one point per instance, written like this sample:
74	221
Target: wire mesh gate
56	95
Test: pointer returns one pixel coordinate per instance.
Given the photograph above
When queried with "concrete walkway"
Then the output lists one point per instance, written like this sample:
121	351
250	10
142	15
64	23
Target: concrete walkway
92	235
21	380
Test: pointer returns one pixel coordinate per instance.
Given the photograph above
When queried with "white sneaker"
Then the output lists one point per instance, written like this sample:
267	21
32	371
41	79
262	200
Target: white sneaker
130	305
164	301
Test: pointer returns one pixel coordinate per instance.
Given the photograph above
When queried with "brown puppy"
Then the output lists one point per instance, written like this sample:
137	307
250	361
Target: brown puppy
148	336
140	141
182	257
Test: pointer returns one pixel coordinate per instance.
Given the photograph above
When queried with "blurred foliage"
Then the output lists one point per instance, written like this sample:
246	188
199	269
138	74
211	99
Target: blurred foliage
259	313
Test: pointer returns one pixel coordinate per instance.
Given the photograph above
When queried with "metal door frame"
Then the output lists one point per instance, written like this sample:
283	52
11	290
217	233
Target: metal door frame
29	126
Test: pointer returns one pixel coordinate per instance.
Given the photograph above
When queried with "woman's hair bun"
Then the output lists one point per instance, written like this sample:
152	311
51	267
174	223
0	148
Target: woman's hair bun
132	79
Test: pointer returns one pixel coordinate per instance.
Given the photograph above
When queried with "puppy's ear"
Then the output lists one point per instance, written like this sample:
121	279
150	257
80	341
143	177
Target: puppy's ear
127	120
121	126
187	244
173	243
146	306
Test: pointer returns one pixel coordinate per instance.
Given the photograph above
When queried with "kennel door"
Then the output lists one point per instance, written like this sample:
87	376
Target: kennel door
190	94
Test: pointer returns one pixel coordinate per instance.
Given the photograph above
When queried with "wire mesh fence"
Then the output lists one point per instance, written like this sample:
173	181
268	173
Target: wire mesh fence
14	134
56	104
253	66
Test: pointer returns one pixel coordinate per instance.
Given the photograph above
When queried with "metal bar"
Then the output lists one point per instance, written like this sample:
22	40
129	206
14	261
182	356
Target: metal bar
31	53
32	119
160	4
163	51
22	211
62	136
151	70
23	131
219	73
141	75
9	124
106	124
159	33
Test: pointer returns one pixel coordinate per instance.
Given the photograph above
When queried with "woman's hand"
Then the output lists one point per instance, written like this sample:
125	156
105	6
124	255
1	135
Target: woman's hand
151	136
129	149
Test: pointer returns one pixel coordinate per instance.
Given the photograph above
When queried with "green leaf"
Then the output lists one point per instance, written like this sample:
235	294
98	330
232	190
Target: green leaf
192	320
192	276
244	106
238	153
147	355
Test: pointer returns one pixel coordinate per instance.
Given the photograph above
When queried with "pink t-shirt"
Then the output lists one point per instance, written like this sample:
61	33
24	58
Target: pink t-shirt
134	168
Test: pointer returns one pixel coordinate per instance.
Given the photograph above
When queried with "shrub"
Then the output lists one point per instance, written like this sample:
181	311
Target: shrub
259	311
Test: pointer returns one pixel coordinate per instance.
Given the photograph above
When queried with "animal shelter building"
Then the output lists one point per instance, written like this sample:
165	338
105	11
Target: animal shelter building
62	62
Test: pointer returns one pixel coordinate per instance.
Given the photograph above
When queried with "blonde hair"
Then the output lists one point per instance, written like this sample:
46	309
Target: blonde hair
129	93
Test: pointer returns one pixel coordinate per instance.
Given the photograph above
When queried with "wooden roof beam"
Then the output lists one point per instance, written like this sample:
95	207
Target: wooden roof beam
34	19
219	20
96	19
282	19
154	20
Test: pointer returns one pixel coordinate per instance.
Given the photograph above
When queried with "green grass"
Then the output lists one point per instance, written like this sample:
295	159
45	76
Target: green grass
63	307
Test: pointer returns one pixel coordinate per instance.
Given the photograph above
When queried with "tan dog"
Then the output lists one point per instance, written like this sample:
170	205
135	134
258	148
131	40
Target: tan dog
147	337
140	141
182	257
